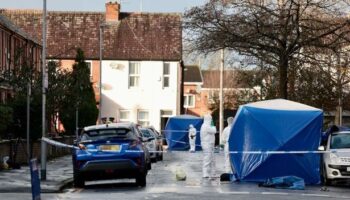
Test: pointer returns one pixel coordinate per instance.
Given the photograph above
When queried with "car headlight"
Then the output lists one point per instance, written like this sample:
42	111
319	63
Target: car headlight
334	158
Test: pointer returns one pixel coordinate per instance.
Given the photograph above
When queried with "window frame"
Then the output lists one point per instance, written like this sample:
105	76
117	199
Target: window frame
141	121
186	98
91	67
124	119
166	75
134	75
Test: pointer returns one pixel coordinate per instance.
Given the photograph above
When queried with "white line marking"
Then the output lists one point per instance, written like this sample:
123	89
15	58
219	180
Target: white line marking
193	186
277	193
316	195
236	192
232	192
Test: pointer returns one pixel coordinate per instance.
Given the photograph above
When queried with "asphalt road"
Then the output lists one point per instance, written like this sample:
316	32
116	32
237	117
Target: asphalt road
161	184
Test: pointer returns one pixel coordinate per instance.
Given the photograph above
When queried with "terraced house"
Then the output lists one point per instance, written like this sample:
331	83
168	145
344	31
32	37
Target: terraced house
141	57
16	49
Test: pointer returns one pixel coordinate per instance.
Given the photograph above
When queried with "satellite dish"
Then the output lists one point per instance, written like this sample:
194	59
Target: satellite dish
113	65
198	88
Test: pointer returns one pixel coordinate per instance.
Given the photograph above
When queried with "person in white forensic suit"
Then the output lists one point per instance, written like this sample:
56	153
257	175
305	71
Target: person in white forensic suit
207	134
192	132
225	136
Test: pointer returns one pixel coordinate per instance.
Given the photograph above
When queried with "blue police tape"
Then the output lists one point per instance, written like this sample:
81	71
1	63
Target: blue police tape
60	144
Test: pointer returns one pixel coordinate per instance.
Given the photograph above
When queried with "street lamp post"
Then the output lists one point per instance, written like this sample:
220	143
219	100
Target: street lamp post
100	84
221	95
28	121
44	86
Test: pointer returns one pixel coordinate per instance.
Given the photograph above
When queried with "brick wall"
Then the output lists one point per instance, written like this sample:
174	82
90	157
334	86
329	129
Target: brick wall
201	101
21	157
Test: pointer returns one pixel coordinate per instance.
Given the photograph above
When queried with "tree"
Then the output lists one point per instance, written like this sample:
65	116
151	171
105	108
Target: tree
56	92
5	119
275	32
22	74
79	96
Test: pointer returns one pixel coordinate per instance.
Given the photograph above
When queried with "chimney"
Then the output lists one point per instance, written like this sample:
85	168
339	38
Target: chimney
112	11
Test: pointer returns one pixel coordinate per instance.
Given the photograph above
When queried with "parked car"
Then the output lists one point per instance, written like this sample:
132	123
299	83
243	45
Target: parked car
159	142
110	151
336	163
147	134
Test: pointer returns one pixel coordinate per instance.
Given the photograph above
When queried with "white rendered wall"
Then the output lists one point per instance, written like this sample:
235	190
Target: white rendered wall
150	95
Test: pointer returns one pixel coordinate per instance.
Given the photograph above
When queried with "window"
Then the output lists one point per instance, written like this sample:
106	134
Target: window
89	65
166	75
143	117
189	101
166	113
124	115
134	74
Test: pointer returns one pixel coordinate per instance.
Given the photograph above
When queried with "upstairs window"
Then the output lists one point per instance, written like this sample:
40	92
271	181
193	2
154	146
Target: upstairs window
166	75
89	65
189	101
134	74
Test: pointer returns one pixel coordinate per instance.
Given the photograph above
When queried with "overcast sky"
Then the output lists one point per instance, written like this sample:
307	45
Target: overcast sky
99	5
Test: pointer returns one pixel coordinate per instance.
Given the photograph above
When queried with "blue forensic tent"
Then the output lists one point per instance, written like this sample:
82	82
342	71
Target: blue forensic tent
176	131
276	125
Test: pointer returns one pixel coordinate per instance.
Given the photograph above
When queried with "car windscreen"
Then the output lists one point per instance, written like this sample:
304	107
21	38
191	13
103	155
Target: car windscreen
146	133
340	141
107	134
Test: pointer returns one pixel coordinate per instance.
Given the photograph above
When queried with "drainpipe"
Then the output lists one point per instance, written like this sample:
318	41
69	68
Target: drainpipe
182	110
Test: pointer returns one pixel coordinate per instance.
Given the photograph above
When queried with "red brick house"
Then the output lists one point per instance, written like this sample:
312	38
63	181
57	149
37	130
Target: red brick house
193	82
16	47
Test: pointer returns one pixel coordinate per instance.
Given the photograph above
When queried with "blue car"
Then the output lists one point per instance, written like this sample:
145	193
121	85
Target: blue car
111	151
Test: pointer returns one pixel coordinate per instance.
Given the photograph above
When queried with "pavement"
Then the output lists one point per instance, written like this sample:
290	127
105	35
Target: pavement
59	174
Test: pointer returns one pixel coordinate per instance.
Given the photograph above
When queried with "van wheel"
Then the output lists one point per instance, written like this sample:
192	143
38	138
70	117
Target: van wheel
141	180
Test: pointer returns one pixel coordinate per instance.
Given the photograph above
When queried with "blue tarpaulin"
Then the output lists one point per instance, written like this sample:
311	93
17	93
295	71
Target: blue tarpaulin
285	182
176	131
276	125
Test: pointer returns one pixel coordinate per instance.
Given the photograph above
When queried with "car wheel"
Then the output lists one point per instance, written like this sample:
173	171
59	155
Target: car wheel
161	157
149	166
154	160
141	180
78	179
325	180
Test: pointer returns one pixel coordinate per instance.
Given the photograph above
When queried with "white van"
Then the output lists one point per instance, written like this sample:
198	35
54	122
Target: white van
336	159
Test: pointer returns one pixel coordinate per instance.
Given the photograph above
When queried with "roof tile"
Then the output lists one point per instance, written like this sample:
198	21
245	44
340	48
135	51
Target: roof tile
137	36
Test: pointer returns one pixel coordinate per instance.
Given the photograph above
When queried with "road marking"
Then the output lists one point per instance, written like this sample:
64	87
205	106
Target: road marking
193	186
277	193
316	195
232	192
162	190
243	192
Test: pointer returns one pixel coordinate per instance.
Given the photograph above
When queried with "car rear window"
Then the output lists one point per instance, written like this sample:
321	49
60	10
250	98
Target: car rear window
105	134
146	133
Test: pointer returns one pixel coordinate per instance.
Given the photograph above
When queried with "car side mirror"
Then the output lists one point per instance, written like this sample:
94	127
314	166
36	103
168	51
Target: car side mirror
321	148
